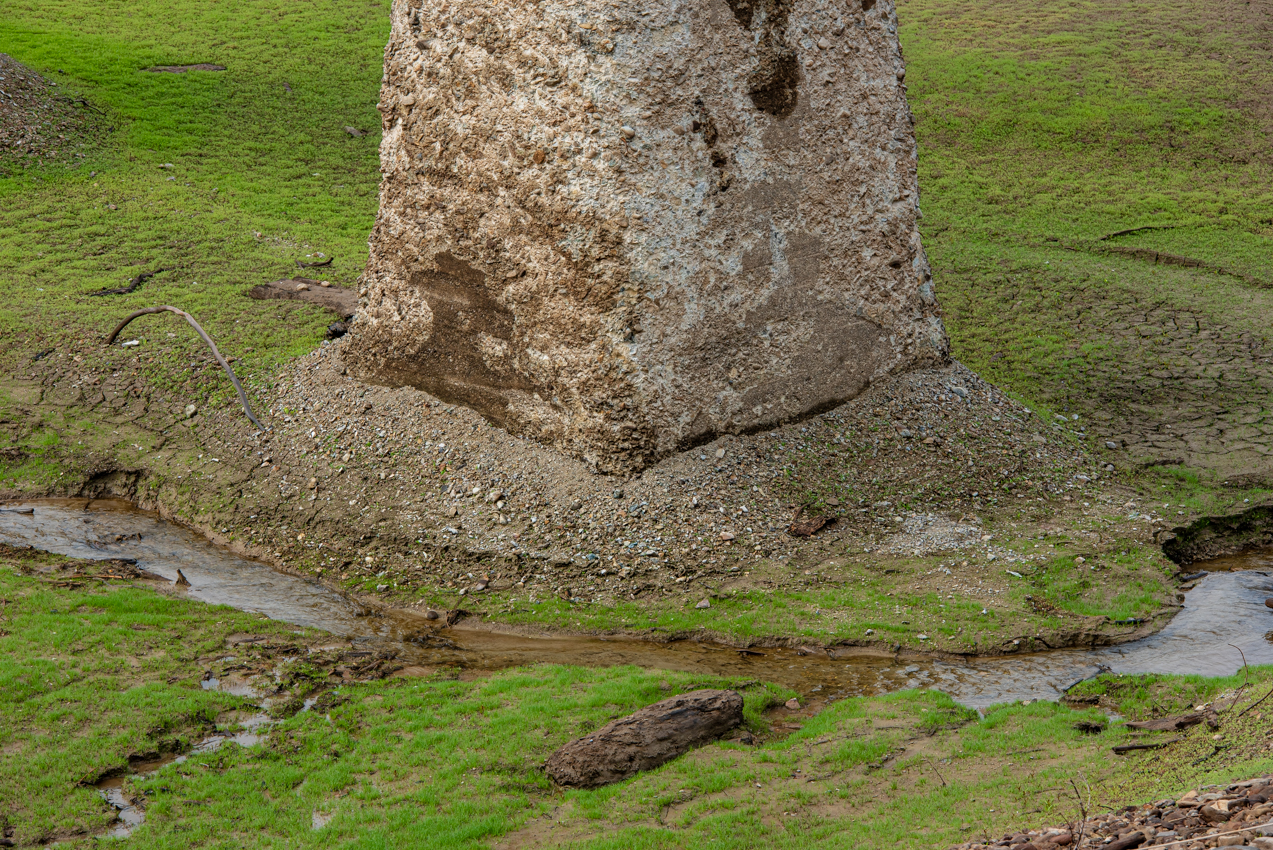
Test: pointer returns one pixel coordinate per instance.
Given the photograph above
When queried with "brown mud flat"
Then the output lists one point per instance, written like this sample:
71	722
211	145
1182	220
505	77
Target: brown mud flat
1173	383
341	300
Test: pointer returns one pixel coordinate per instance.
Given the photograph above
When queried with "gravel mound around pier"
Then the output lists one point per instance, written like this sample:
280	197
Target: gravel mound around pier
929	442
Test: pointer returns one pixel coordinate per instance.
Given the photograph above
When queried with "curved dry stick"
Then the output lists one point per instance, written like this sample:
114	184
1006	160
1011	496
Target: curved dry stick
132	284
243	398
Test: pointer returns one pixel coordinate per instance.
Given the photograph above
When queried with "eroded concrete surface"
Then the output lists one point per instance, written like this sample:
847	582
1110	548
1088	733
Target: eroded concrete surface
626	230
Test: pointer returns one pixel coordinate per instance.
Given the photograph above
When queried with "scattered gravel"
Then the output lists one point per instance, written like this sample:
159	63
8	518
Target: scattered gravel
921	452
1240	815
39	124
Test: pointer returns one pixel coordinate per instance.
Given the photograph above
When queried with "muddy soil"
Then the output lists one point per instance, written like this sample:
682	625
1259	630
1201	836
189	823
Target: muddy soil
1222	622
1170	384
395	488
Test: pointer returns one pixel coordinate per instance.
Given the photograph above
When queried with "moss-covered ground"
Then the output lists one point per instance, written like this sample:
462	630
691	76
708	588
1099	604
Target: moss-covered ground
1044	129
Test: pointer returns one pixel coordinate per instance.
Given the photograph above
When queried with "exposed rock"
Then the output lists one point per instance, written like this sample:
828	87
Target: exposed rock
1216	818
645	739
624	230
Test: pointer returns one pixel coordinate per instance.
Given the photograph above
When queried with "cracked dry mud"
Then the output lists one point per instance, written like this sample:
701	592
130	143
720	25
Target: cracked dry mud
1170	380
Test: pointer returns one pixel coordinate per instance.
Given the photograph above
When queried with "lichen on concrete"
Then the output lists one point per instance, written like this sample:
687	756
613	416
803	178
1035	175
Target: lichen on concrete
625	229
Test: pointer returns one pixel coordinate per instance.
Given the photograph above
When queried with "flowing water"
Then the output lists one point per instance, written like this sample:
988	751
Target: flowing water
1224	619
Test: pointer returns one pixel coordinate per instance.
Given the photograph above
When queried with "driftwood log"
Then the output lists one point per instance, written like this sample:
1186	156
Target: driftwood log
243	398
646	739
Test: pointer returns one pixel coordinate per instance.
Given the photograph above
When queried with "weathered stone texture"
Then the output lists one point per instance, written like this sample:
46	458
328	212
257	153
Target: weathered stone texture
623	229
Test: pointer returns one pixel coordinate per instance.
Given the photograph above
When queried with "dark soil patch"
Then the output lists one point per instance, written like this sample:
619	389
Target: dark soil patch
342	300
1212	537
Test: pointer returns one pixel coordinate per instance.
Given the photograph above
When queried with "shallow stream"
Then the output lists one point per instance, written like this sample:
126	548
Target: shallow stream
1223	619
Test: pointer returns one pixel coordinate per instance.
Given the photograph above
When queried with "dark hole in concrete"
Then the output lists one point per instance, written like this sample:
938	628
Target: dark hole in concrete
774	85
743	11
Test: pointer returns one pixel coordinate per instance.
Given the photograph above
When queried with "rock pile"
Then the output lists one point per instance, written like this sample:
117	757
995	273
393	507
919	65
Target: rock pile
623	230
1240	815
39	125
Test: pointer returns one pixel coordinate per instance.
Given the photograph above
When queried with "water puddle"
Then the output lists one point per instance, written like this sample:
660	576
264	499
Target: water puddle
1223	618
248	732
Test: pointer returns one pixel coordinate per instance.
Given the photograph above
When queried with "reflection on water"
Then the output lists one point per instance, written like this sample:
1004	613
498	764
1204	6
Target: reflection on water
1223	614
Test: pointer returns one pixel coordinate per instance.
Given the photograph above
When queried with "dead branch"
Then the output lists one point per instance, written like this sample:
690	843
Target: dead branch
1145	745
132	284
243	398
1257	702
1077	834
1136	230
936	771
1245	668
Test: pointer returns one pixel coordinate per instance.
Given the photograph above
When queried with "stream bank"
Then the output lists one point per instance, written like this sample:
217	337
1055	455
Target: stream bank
1222	621
446	678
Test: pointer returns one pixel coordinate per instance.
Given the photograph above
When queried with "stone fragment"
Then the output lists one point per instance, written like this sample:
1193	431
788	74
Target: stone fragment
645	739
1127	842
622	236
1211	814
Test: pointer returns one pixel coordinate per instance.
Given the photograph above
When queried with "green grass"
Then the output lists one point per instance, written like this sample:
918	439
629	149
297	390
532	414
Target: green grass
261	176
93	674
90	676
1041	129
1044	128
1077	120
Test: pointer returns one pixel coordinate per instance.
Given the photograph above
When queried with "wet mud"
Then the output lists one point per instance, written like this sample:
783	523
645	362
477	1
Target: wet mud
1223	619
